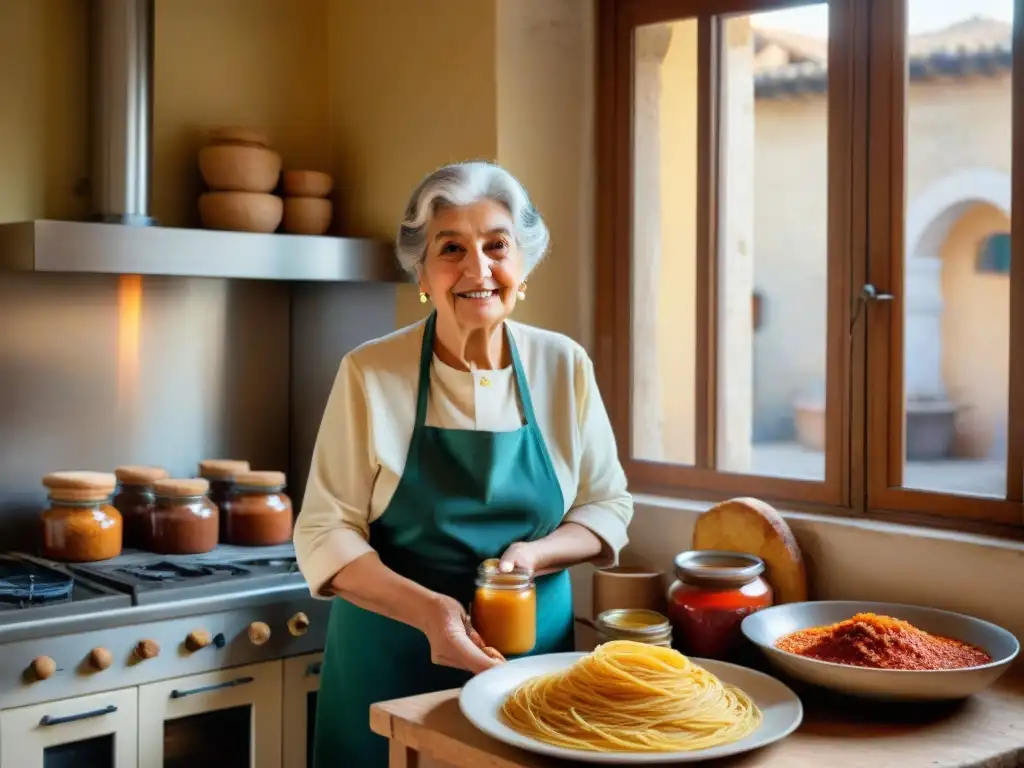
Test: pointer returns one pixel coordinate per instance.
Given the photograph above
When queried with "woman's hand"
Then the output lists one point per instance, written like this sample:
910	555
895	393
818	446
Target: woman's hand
453	641
523	554
568	545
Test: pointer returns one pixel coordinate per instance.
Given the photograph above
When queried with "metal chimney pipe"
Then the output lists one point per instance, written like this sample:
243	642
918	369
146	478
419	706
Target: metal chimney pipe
121	64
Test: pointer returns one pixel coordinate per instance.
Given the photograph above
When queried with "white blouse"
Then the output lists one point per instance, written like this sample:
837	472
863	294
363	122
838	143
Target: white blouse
364	437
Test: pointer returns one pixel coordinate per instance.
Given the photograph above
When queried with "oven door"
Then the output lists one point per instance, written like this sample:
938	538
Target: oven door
301	683
97	731
230	719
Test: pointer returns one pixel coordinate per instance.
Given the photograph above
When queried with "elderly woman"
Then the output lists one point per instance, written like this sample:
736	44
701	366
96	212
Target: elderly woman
460	438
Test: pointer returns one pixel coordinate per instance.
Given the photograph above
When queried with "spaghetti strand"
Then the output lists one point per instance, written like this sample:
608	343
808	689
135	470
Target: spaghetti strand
631	697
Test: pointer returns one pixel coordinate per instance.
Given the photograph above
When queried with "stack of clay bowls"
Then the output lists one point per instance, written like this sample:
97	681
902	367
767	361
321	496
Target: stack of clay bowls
241	171
307	208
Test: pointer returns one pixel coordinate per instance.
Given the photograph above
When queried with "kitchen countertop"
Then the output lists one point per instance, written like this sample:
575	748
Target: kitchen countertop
985	731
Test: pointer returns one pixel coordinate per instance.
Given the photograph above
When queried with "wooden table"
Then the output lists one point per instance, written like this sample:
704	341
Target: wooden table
986	731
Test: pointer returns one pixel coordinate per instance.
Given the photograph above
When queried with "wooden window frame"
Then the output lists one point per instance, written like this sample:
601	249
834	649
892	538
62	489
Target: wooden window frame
864	361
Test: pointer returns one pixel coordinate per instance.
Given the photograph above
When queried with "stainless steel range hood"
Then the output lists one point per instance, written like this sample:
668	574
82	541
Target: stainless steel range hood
121	237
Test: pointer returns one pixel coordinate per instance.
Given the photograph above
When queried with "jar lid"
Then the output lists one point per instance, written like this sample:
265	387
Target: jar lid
180	487
633	621
80	485
137	475
262	479
488	572
717	568
222	469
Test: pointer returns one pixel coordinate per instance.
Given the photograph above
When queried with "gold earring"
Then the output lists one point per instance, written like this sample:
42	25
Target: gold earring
522	292
423	297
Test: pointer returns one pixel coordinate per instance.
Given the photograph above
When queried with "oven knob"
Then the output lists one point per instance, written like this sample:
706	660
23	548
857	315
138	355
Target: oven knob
298	624
259	633
197	639
147	649
100	659
43	667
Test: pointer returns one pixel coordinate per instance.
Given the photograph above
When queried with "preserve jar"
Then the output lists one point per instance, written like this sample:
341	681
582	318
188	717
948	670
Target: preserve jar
134	500
184	520
220	473
712	594
81	525
258	513
504	609
637	624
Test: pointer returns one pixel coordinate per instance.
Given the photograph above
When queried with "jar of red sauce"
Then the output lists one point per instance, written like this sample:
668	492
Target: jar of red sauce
80	525
184	520
710	597
258	511
134	500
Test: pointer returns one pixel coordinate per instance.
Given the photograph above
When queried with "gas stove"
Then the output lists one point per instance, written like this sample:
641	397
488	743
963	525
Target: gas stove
188	614
149	578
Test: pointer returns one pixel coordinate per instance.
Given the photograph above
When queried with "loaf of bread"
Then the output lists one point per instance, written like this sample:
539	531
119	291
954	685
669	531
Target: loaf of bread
756	528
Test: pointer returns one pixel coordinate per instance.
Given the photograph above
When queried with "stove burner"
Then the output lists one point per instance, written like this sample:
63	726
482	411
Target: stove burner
168	571
27	589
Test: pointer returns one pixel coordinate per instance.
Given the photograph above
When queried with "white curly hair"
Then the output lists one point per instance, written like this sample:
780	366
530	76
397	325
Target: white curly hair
464	184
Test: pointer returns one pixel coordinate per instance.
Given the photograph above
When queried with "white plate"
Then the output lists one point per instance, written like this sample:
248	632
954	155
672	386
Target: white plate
482	697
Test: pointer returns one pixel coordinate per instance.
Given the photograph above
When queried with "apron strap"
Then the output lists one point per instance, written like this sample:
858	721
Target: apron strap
521	384
427	355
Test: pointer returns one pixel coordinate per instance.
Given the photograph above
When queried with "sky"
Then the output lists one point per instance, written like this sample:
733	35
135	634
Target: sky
924	15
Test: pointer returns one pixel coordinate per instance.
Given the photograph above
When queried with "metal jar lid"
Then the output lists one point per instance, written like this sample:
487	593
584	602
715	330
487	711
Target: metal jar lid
716	568
633	624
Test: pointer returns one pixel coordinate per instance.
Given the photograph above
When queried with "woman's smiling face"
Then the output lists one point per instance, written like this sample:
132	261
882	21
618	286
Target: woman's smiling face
473	268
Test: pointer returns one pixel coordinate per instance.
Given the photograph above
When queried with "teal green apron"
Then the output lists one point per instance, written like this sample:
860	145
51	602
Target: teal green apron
464	496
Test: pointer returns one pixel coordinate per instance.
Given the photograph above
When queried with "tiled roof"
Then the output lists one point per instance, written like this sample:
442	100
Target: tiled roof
788	63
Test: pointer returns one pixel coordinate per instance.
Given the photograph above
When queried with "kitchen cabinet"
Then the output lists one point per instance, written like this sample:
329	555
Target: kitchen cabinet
99	731
230	718
301	684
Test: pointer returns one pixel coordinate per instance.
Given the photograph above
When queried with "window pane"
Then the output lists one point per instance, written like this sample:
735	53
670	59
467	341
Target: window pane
773	243
956	327
663	328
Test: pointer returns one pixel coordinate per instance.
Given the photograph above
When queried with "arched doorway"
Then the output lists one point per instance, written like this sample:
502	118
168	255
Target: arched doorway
957	318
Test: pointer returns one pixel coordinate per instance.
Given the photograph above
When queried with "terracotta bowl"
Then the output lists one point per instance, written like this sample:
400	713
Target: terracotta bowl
239	167
240	211
307	183
307	215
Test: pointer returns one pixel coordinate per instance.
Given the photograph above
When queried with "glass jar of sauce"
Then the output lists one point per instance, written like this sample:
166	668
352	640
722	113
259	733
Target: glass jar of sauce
258	512
134	500
81	525
504	609
712	594
221	473
636	624
184	520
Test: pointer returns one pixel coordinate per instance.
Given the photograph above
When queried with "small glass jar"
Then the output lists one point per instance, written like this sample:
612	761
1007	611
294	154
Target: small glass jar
504	609
81	525
258	512
184	520
636	624
713	592
221	473
134	500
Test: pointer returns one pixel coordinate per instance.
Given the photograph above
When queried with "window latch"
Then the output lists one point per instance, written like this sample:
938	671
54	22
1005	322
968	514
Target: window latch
867	293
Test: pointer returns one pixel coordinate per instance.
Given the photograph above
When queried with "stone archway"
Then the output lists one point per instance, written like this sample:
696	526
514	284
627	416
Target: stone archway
929	219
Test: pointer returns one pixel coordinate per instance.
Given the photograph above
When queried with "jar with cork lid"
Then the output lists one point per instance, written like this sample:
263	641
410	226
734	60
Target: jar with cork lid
134	500
185	521
221	473
81	525
258	512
